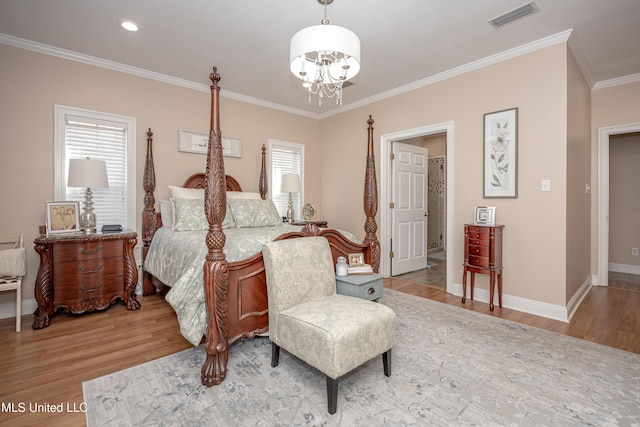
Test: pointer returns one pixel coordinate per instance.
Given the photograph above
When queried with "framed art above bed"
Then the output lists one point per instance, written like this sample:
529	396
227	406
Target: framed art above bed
197	142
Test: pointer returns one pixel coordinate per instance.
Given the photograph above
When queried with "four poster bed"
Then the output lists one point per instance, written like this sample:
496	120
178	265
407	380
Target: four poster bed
235	296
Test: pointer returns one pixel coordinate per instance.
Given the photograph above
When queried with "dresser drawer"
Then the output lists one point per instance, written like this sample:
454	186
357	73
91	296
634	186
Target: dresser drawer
88	269
87	250
479	250
66	292
479	261
366	286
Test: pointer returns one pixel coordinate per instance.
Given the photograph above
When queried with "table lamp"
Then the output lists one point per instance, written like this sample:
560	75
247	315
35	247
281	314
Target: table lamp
290	184
88	173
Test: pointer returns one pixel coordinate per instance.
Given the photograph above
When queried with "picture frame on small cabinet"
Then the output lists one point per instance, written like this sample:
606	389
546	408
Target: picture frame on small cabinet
500	167
485	215
63	217
356	259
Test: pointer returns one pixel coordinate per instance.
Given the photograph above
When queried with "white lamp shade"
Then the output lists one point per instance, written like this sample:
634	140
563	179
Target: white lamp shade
290	183
88	173
324	38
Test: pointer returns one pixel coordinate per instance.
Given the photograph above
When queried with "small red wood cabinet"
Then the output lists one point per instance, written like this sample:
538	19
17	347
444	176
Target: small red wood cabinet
483	254
84	272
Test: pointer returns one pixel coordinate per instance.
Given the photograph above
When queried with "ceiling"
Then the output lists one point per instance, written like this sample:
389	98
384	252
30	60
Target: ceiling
405	43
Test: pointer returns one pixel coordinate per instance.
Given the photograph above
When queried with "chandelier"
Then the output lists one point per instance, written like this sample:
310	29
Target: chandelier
324	57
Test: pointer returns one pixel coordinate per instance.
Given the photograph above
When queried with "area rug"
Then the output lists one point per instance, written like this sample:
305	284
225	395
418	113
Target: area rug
450	366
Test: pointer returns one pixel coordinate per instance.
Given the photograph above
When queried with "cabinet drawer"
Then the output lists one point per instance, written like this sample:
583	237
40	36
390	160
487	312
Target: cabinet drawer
479	250
88	269
87	250
478	230
479	242
479	261
93	286
370	290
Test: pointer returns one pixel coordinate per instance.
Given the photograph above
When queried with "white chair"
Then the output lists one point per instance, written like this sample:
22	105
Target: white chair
13	267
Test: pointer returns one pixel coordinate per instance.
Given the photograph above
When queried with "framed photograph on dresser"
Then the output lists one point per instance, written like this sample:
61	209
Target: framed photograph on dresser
500	169
63	217
485	215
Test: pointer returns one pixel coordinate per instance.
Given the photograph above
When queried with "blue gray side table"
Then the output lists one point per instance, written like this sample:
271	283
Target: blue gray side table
365	286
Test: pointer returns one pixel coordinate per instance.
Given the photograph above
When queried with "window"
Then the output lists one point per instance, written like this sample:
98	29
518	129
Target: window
286	157
83	133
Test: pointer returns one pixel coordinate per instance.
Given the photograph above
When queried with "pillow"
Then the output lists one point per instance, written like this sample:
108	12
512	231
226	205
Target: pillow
254	213
166	212
13	262
188	215
243	195
186	193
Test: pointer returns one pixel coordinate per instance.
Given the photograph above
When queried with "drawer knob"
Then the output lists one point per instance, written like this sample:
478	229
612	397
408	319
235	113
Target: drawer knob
371	291
98	268
82	288
85	252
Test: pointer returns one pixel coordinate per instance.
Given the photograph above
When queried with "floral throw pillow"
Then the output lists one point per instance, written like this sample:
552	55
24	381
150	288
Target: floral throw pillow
188	215
254	213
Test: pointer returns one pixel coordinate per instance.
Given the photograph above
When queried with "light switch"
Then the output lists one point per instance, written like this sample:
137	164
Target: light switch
545	185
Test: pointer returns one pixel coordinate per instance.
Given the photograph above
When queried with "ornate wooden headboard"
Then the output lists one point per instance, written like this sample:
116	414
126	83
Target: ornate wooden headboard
198	180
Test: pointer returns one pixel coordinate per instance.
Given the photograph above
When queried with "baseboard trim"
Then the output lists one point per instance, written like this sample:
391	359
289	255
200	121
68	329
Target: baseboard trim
537	308
8	309
624	268
577	298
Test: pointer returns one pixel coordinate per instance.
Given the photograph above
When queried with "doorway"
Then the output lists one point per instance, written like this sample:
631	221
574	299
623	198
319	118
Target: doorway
445	129
604	136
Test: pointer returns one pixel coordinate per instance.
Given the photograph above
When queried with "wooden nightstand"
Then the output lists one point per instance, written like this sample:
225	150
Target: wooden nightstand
79	273
320	223
365	286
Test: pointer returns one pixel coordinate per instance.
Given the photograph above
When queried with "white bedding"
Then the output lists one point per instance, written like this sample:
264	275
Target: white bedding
177	258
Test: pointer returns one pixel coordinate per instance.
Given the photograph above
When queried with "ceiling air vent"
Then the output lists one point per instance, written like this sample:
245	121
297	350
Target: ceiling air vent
347	84
512	15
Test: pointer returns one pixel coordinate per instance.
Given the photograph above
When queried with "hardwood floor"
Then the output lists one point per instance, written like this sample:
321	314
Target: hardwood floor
48	366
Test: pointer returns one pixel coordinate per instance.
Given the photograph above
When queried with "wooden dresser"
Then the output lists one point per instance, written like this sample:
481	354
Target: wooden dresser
483	254
79	273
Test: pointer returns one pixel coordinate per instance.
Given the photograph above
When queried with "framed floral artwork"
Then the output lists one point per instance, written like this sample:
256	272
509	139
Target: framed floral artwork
501	154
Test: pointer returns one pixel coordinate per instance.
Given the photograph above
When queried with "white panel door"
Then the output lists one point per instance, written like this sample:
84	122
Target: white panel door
410	208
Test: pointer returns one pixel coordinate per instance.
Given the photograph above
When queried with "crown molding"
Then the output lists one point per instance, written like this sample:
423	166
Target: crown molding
562	37
515	52
140	72
633	78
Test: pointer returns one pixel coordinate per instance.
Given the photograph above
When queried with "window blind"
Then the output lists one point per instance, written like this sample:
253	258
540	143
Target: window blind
104	140
286	157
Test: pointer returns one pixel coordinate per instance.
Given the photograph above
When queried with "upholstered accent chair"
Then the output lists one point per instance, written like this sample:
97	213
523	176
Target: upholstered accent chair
333	333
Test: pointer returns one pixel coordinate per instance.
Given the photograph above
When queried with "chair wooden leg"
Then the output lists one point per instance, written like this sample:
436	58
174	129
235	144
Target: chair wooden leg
332	394
386	362
275	354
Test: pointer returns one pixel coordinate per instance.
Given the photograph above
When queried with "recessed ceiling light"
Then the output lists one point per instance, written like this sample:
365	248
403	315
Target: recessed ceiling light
129	26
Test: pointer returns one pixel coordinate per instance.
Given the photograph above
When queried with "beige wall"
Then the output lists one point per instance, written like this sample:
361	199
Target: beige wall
611	106
578	175
31	83
624	199
534	239
543	85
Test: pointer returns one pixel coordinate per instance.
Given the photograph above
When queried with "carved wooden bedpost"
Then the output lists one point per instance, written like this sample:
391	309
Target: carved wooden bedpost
264	185
371	202
216	268
149	213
